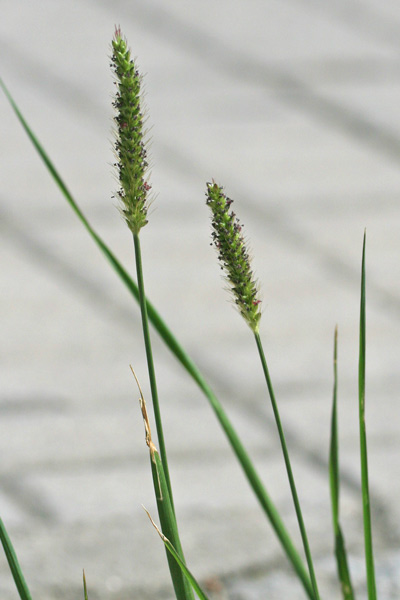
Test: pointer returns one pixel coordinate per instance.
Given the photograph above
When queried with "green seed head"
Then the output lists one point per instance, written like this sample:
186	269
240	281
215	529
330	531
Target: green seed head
232	253
130	145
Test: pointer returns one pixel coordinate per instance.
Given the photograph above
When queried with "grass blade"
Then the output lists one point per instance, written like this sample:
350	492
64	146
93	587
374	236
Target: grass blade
85	594
181	355
15	568
334	476
369	557
195	585
123	274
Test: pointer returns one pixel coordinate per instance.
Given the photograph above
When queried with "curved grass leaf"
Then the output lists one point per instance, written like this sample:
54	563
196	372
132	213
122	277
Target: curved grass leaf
15	568
334	476
172	343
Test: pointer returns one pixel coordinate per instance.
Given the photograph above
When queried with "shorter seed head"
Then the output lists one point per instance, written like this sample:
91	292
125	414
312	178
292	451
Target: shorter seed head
232	253
130	145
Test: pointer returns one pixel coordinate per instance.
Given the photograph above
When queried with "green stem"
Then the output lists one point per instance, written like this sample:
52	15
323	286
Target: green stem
182	587
288	467
252	476
369	556
150	363
334	478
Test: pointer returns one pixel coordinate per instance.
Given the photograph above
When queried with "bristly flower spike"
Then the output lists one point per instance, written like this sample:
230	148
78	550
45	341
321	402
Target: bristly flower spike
130	145
235	261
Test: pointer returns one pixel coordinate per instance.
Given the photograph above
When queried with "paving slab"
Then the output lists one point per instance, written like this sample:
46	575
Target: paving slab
293	106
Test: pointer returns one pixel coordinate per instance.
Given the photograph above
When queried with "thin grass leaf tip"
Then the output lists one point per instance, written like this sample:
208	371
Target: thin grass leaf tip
232	253
130	144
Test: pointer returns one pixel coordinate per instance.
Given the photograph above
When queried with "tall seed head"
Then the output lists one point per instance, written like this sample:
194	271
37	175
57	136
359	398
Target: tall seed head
232	253
130	145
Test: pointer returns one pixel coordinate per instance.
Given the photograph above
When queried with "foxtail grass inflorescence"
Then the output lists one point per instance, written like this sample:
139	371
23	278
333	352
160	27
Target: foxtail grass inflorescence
130	145
234	257
132	170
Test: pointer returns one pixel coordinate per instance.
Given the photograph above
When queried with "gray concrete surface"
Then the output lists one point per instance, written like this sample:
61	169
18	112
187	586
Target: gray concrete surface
293	105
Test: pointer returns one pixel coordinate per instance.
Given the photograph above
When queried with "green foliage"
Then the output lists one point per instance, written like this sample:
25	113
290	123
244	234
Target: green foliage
172	343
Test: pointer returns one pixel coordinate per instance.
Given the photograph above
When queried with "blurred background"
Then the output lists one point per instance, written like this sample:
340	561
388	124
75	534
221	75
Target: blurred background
293	106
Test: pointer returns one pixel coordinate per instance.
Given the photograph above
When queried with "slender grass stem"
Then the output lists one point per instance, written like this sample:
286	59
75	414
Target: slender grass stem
288	468
334	478
369	556
150	363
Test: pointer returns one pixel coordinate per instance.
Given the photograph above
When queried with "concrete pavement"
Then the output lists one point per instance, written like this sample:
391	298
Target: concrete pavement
294	107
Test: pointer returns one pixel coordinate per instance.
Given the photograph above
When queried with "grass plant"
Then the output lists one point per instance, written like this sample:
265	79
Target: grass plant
134	196
234	256
186	361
